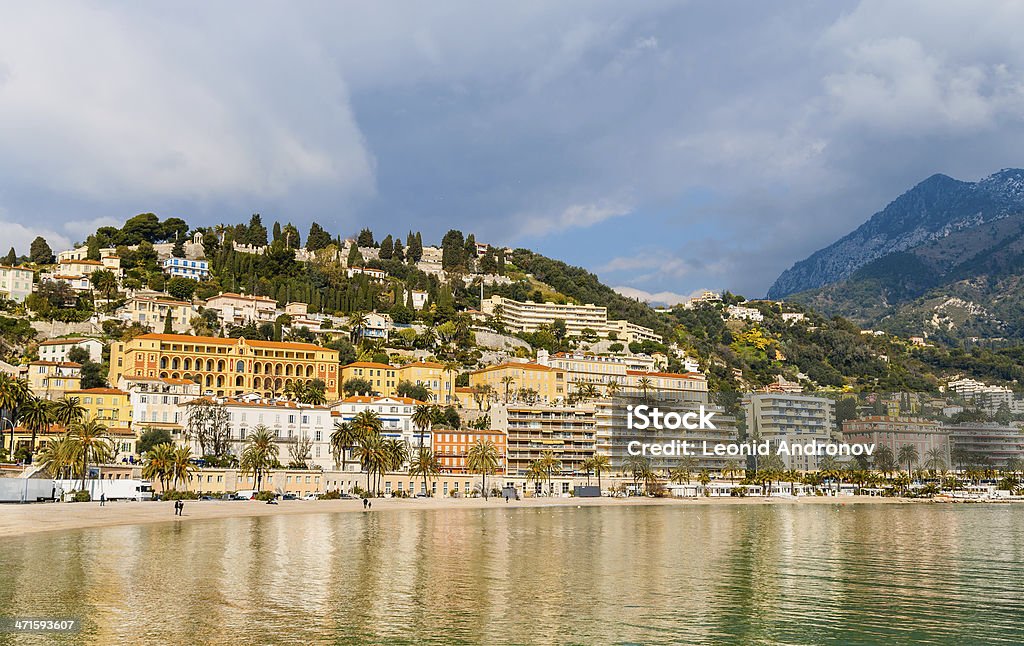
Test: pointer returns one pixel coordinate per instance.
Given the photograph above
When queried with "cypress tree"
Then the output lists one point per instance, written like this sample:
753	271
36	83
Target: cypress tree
387	249
398	253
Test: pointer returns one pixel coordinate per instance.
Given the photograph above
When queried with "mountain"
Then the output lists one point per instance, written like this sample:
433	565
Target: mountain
934	209
946	258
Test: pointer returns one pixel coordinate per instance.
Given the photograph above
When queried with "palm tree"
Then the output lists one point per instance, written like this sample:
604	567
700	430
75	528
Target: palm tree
357	322
372	456
105	281
612	388
588	467
536	472
293	390
599	463
343	438
313	393
451	367
397	452
367	422
259	455
645	384
36	416
58	457
67	411
732	469
182	466
482	458
935	460
549	463
507	381
159	464
421	417
908	455
91	443
637	466
884	460
12	392
426	465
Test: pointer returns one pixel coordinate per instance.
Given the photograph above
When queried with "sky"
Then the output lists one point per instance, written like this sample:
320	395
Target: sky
667	146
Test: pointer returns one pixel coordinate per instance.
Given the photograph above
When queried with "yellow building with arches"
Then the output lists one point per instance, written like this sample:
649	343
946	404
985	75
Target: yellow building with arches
225	367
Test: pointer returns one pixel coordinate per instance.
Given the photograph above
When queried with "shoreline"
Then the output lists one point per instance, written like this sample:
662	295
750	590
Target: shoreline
35	518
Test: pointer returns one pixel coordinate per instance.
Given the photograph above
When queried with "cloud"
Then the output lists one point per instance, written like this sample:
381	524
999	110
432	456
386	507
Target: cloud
668	298
575	216
20	237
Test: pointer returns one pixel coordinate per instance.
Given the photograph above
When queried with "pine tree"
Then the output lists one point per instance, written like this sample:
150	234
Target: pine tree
178	250
355	258
256	234
11	259
453	250
168	327
39	251
317	238
414	247
365	238
92	248
398	253
387	249
277	231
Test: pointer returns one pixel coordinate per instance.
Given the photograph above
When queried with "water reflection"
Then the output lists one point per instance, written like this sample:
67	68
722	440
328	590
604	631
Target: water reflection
707	574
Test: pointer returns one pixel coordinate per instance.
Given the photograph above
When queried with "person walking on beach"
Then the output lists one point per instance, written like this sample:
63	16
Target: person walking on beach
365	503
103	500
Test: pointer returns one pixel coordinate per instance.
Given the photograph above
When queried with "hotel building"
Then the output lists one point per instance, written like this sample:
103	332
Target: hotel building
51	379
153	310
155	401
433	376
225	367
996	443
240	309
381	376
896	432
529	316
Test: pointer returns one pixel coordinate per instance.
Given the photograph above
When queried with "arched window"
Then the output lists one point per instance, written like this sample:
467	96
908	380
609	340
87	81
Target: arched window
163	362
220	365
187	364
175	363
239	366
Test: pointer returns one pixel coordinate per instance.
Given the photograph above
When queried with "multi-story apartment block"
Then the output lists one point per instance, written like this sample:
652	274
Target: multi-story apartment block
792	419
51	379
614	433
241	309
383	378
433	376
895	432
15	283
990	443
529	316
452	448
667	386
226	367
395	414
57	349
519	381
152	310
585	368
288	422
568	432
155	402
373	274
194	269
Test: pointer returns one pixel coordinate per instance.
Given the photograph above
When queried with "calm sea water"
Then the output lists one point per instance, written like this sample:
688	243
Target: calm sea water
777	574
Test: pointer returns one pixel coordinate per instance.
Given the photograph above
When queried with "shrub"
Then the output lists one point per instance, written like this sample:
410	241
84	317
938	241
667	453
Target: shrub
265	495
80	496
174	494
333	494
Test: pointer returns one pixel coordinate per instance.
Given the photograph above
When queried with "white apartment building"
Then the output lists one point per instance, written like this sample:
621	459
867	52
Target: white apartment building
373	274
529	316
994	442
991	398
793	419
57	349
744	313
194	269
15	283
287	422
157	402
152	309
395	415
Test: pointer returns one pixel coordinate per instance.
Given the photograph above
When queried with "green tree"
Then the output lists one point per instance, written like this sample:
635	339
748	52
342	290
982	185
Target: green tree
181	288
259	455
256	233
317	238
355	257
424	464
365	238
91	444
343	439
152	437
36	415
11	259
909	456
482	458
158	464
39	251
387	248
453	250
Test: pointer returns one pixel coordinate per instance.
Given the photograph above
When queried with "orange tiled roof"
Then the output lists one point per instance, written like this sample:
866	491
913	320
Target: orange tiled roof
368	364
523	366
369	399
60	364
671	375
97	391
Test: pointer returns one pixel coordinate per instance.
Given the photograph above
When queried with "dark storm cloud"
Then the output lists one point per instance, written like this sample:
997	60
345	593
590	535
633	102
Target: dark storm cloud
669	146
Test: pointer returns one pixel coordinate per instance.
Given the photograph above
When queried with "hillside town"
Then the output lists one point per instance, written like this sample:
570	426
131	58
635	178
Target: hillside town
199	363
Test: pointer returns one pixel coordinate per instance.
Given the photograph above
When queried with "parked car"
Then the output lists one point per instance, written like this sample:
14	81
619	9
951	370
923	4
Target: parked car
311	496
289	496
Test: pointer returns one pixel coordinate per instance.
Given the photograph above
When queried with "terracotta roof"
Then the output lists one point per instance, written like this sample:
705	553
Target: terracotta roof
188	338
80	262
261	404
60	364
158	299
97	391
246	297
66	341
365	399
13	267
368	364
523	366
422	364
671	375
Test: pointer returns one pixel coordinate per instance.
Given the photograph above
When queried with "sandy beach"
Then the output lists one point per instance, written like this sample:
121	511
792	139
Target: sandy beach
16	520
